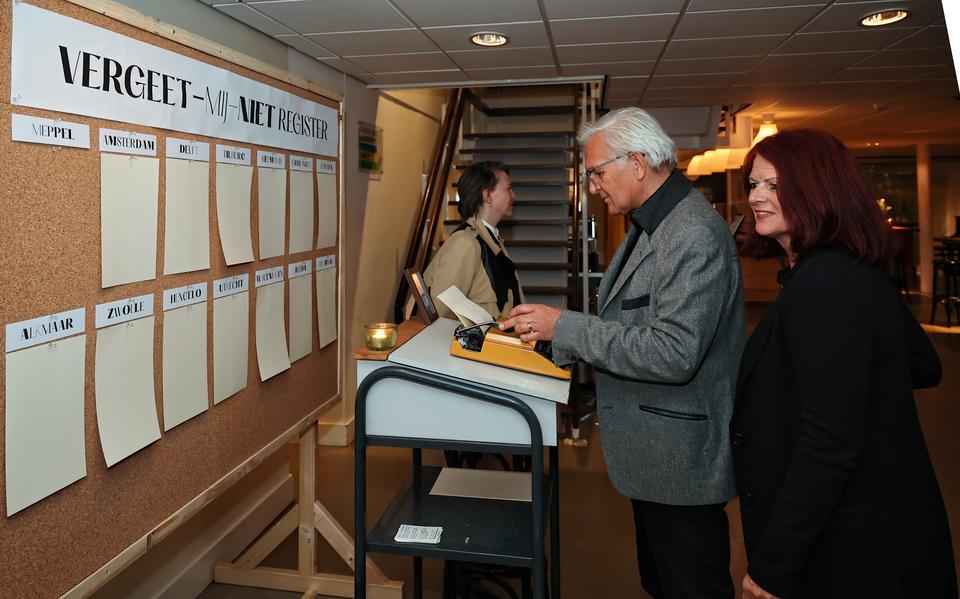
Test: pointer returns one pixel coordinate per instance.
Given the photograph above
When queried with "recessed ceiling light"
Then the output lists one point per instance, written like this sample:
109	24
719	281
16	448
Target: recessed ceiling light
884	17
489	39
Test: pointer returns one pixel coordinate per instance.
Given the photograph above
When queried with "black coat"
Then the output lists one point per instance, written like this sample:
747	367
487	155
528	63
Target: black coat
838	496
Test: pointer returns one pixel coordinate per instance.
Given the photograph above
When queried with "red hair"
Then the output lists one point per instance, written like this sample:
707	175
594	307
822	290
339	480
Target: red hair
824	196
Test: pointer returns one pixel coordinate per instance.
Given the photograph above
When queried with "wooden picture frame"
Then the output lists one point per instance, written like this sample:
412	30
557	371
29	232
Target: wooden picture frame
426	310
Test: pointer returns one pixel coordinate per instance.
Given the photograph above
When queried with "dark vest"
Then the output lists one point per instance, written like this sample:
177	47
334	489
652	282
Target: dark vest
500	271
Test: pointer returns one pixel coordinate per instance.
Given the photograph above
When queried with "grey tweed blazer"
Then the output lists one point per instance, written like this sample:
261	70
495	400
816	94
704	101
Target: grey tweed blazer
666	347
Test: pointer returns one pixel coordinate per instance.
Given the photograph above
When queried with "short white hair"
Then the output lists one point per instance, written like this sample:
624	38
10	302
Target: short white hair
633	130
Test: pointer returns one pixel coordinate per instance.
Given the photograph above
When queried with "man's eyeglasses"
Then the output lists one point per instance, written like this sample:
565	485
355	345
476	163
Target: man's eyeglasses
595	174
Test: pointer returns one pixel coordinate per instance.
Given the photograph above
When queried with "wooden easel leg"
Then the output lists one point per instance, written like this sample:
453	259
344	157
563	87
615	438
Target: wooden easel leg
309	517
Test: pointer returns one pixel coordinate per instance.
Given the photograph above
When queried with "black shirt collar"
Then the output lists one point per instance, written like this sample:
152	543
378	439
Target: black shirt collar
652	212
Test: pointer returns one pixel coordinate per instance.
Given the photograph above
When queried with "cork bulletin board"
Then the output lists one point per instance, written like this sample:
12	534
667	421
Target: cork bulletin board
50	262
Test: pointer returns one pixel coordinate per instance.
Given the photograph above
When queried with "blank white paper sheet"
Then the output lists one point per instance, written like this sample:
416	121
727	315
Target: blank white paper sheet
272	357
233	212
129	191
326	306
272	207
184	364
186	239
326	210
301	211
126	400
44	420
231	330
301	317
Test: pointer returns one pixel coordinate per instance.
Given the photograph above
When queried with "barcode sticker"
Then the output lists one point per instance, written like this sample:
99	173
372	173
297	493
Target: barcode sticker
409	533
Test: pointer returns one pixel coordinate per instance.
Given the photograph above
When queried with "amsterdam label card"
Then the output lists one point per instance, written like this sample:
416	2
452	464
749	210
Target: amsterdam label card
127	142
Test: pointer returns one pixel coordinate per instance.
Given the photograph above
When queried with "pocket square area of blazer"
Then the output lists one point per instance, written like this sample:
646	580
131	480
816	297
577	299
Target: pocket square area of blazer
636	302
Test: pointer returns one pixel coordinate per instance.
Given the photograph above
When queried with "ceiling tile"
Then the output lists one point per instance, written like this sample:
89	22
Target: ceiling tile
929	37
430	13
750	45
855	87
251	17
501	57
612	29
763	90
344	66
906	58
421	77
777	77
944	73
820	60
880	74
684	101
532	72
578	9
374	42
673	92
389	63
758	21
630	83
840	41
842	17
587	53
691	80
304	45
322	16
708	5
522	35
706	65
637	67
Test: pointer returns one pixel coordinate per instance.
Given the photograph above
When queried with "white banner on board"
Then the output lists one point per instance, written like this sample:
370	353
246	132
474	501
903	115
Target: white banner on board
298	269
326	167
124	310
46	328
38	130
184	296
127	142
69	66
231	285
188	148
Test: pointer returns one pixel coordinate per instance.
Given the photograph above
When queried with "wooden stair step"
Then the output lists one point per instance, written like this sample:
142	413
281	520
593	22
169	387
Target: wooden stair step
510	134
522	166
517	150
532	110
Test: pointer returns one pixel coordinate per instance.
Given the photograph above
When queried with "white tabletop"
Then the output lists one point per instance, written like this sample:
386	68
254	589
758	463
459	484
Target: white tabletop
430	350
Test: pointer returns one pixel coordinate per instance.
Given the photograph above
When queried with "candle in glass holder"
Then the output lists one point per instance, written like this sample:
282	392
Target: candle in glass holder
380	336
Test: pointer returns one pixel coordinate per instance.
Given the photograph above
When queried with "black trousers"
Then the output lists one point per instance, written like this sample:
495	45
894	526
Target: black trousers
683	551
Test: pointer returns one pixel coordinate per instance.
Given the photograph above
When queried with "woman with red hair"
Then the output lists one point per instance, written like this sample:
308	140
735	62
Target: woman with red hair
838	496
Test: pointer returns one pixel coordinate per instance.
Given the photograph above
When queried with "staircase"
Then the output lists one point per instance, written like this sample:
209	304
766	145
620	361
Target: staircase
532	131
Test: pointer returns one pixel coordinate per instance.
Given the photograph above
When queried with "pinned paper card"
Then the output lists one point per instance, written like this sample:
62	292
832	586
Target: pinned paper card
326	299
231	328
44	420
186	236
272	356
129	189
466	310
126	401
301	212
326	210
272	208
233	212
184	364
301	300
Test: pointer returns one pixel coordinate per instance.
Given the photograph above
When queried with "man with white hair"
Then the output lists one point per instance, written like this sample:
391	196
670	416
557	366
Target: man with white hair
666	346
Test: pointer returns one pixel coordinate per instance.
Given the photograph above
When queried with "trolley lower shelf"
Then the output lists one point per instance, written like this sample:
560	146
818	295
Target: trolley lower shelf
490	531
